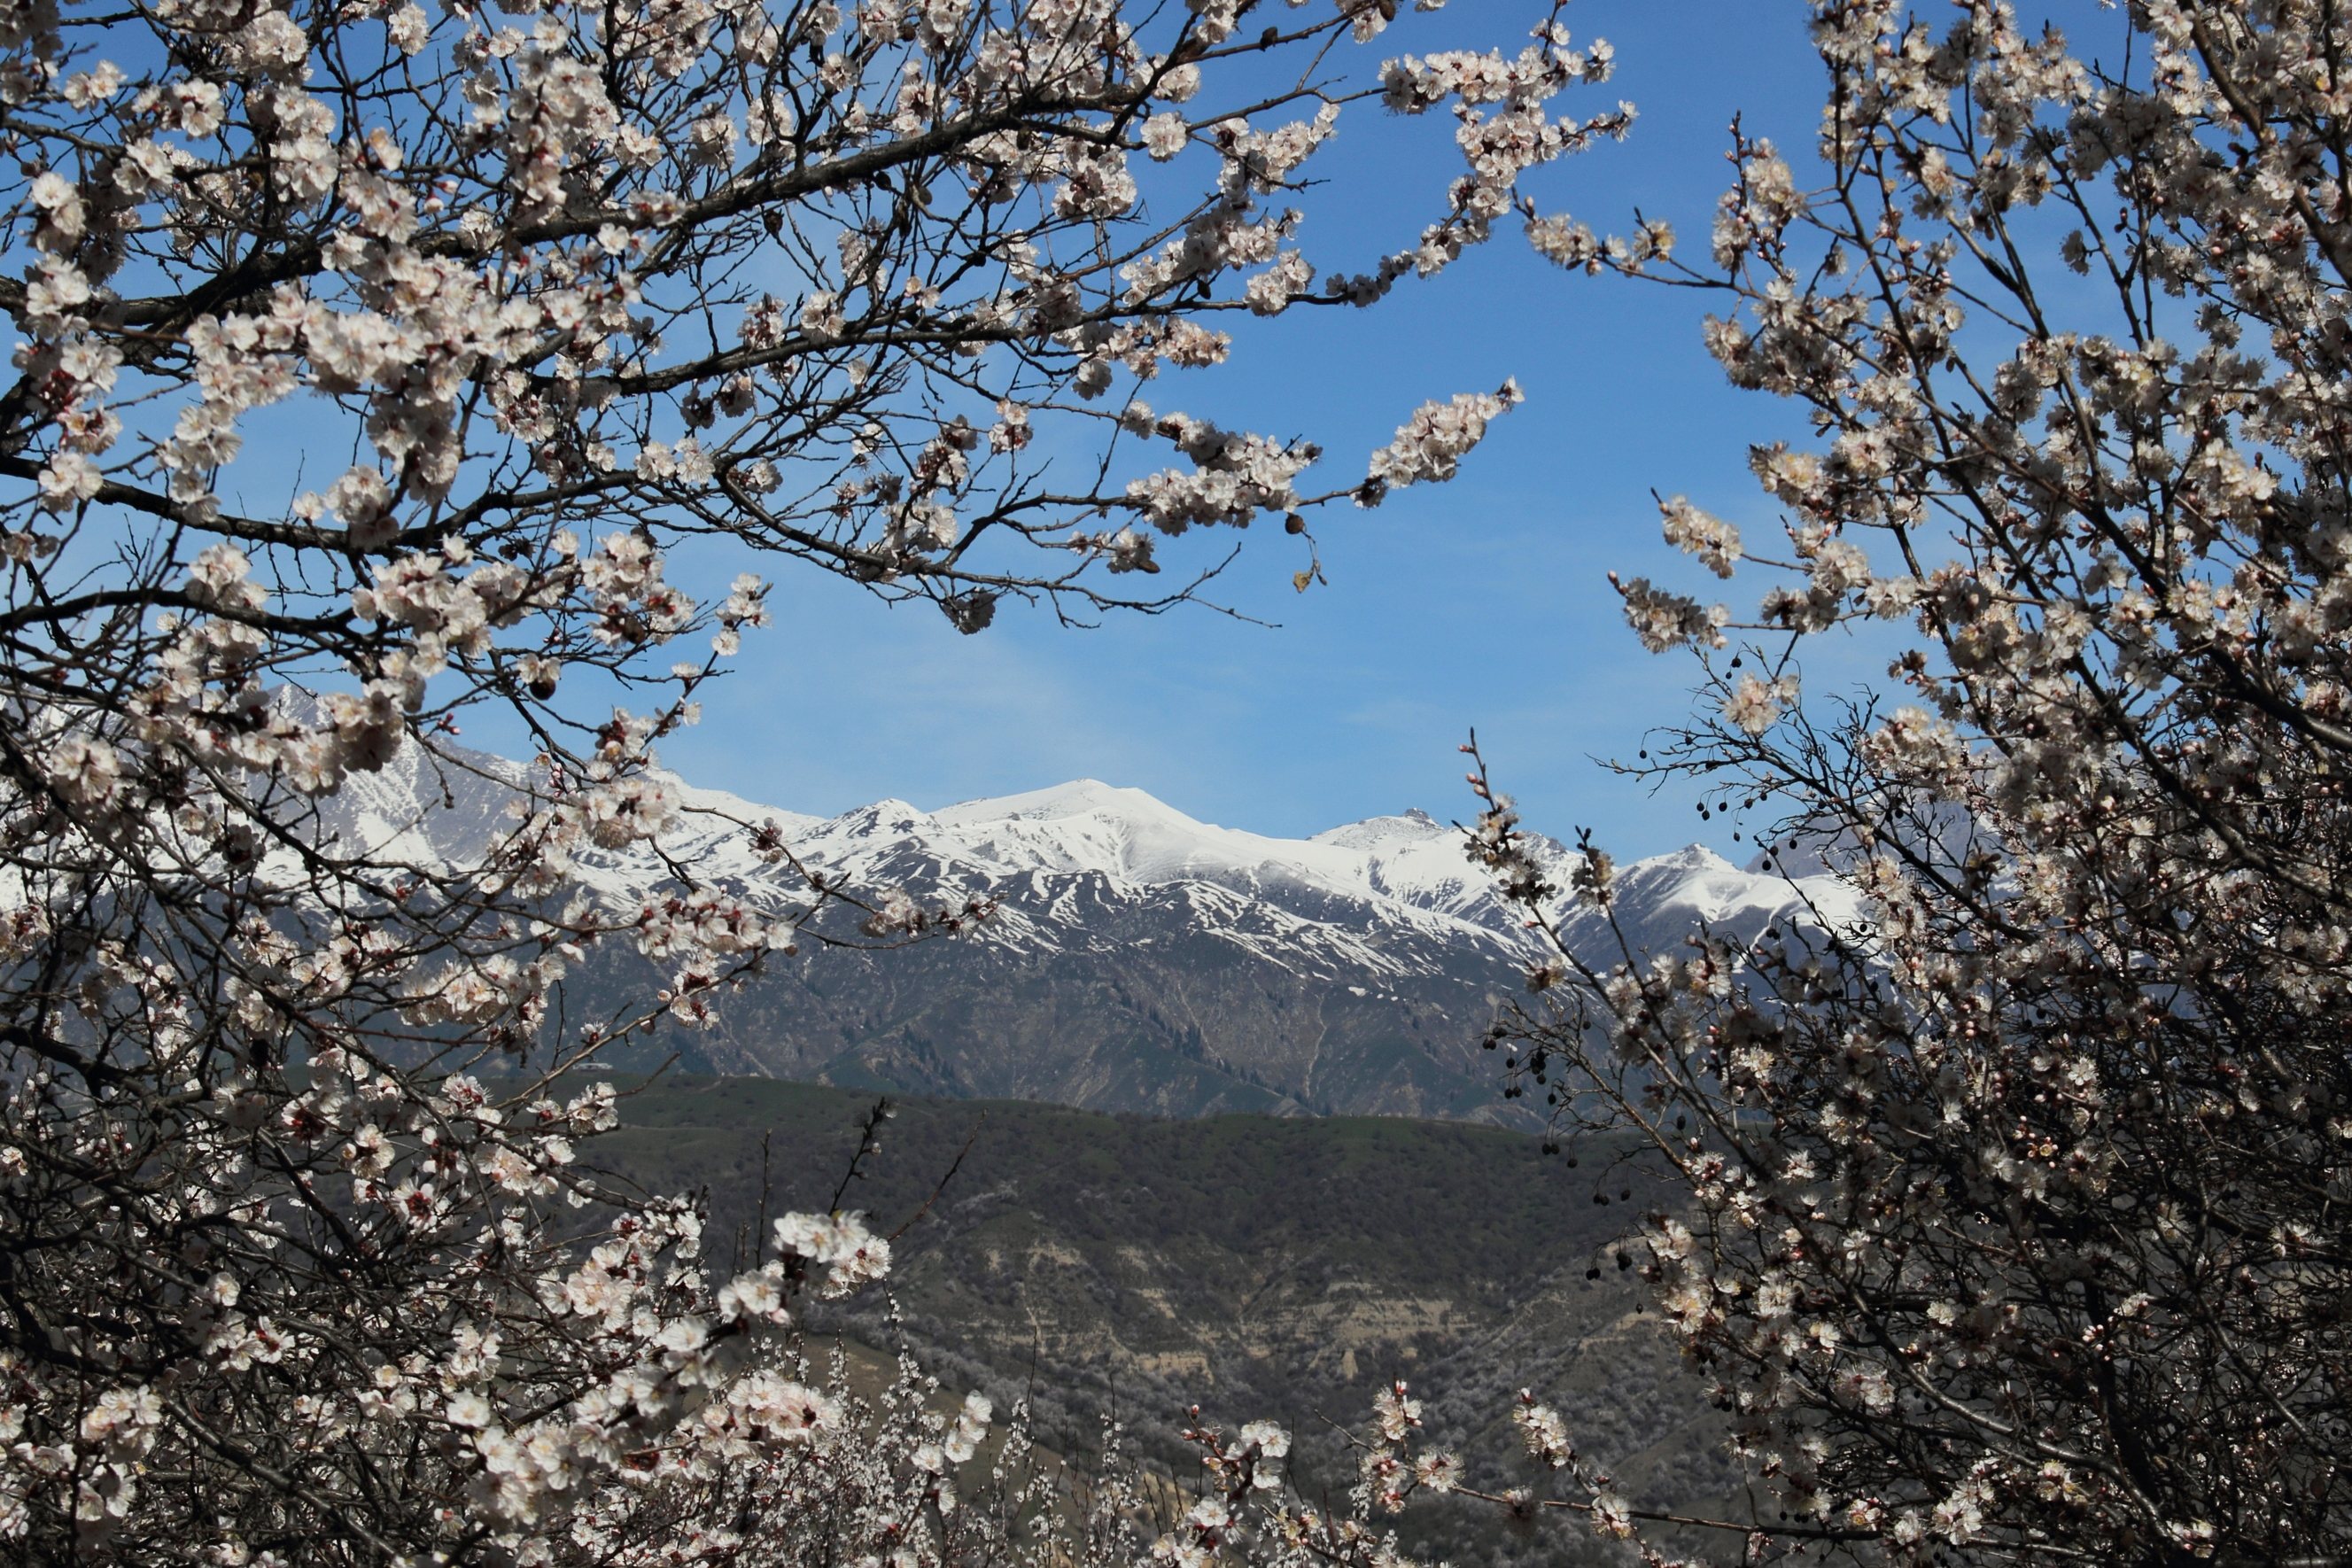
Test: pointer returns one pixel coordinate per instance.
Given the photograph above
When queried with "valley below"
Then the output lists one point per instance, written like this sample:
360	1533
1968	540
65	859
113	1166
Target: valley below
1103	1267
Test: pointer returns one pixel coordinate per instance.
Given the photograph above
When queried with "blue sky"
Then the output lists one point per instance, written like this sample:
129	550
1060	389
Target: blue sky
1482	603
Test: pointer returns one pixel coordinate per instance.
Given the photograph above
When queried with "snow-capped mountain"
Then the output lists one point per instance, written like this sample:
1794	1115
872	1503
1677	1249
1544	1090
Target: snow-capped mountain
1139	959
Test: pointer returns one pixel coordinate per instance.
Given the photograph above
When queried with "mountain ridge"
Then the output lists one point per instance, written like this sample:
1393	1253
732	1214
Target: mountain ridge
1137	959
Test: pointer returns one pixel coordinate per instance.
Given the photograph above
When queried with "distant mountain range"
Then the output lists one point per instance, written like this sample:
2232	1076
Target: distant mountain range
1139	960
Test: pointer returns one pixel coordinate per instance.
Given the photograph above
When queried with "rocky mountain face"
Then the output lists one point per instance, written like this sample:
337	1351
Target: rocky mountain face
1138	960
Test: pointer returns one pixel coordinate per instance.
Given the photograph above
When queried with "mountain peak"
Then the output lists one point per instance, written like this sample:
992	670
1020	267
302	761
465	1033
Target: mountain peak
1414	826
884	816
1078	797
1689	858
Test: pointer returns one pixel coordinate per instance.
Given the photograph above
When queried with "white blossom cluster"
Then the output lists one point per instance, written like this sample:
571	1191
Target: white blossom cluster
1502	131
1233	477
1248	1510
1431	445
2011	1224
568	1394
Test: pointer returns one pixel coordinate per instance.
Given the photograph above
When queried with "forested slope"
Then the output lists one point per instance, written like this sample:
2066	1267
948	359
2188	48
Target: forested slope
1261	1267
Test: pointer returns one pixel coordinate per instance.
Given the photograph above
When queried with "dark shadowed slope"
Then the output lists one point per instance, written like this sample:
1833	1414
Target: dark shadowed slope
1264	1268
